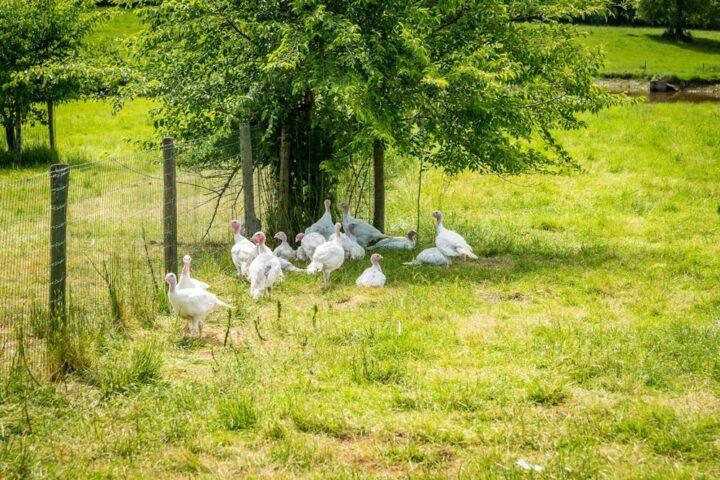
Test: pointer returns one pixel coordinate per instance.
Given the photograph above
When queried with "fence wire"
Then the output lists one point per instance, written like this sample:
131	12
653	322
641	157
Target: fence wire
115	245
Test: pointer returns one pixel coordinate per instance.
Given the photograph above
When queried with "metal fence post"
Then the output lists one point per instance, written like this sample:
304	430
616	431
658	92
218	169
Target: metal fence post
170	206
252	224
59	184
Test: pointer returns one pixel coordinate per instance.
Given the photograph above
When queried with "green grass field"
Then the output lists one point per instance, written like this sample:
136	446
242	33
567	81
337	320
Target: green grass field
585	340
643	53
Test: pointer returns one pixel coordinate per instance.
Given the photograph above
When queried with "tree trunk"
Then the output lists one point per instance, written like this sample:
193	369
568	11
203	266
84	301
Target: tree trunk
677	28
379	174
18	135
51	123
283	219
10	136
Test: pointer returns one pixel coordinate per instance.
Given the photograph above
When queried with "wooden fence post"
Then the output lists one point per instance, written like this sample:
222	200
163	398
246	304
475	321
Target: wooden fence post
252	224
170	206
283	201
59	185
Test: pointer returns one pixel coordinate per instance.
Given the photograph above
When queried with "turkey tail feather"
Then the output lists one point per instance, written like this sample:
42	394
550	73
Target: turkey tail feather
467	252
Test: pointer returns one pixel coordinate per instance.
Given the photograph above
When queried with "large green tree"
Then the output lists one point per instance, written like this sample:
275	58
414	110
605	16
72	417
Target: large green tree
463	84
678	15
41	61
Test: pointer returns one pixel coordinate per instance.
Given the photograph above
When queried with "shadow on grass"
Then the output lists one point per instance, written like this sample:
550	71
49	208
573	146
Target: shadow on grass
700	45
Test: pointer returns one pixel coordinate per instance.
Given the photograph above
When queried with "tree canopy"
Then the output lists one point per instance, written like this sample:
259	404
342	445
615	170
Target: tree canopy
472	84
42	61
678	15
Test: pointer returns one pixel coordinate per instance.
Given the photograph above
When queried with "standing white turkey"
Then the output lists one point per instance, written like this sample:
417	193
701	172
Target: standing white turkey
308	243
430	256
373	276
324	226
284	250
449	242
192	304
352	249
328	257
243	249
397	243
364	232
264	270
186	281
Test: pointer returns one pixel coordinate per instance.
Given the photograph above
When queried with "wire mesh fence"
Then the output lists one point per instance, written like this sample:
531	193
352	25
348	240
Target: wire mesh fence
114	242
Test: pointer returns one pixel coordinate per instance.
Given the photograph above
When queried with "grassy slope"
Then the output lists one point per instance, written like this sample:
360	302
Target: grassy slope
585	339
641	52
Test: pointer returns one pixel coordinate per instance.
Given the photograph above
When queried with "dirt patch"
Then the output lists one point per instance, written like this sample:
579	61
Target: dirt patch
352	301
493	297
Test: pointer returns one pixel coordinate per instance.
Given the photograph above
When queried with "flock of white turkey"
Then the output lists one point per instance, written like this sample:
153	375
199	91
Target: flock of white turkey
322	244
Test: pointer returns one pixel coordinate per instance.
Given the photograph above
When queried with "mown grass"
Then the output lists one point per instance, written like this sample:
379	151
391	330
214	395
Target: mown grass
643	53
585	340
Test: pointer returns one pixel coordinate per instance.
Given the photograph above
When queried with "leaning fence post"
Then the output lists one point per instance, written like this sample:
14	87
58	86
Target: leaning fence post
251	222
170	206
59	184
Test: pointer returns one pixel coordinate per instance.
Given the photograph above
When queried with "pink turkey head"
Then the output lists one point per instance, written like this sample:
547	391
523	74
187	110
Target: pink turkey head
259	238
299	237
345	207
186	264
375	258
412	234
171	280
235	226
337	229
281	236
438	216
327	205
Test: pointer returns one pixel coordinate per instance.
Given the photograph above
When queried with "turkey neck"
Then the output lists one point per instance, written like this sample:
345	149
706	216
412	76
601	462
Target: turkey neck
439	227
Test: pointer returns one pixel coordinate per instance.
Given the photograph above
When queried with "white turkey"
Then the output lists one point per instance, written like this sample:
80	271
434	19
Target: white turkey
308	243
430	256
186	281
372	276
284	250
192	304
264	270
324	226
243	249
352	249
328	257
364	232
397	243
449	242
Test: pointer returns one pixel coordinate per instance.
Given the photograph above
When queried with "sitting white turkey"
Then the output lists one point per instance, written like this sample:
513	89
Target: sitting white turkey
243	250
186	281
192	304
264	270
397	243
364	232
308	243
450	243
284	250
352	249
430	256
373	276
324	226
328	257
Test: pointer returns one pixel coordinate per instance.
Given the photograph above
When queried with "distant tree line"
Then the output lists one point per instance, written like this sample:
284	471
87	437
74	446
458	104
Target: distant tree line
677	16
